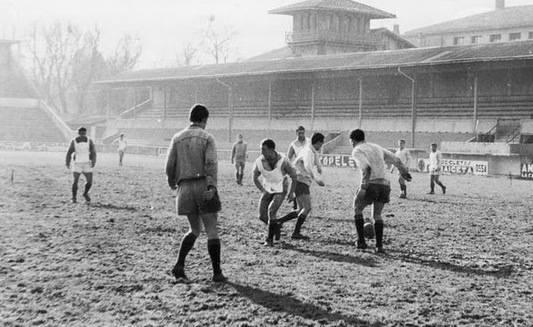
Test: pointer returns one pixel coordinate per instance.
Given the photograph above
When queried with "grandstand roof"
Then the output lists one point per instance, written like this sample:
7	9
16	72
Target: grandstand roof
333	5
417	57
506	18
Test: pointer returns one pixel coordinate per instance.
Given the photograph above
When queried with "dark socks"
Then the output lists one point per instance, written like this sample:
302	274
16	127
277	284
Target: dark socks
360	227
378	228
213	247
87	187
272	227
74	191
290	216
299	223
186	245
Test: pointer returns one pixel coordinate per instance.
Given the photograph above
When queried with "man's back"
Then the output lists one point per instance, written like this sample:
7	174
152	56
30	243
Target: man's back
192	155
370	154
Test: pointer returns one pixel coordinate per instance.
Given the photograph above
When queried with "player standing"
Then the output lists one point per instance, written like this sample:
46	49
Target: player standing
304	162
435	167
239	156
83	153
272	167
405	157
374	188
121	145
192	169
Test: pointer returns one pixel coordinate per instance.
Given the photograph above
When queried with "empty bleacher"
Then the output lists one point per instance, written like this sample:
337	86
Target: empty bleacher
28	125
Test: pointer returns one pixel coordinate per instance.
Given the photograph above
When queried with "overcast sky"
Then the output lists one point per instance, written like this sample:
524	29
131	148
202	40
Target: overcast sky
163	26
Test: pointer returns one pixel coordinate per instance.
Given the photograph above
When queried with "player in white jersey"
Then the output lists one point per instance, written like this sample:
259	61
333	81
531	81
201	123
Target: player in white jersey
435	167
374	188
121	145
405	157
294	149
272	167
304	162
83	154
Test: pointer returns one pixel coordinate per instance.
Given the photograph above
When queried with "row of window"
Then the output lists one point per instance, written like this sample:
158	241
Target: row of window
459	40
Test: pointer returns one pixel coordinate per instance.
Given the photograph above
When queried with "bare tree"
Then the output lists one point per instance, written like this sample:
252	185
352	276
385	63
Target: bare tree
88	65
126	55
217	43
53	49
188	54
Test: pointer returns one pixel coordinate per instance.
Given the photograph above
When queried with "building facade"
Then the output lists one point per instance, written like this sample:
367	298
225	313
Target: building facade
503	24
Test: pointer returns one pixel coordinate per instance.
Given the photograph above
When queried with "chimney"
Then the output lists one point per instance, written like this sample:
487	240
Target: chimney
500	4
396	29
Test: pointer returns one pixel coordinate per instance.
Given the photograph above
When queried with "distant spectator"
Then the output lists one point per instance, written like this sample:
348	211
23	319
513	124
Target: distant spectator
239	156
83	154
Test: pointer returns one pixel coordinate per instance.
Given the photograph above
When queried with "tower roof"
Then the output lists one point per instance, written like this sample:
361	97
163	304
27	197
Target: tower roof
503	18
333	5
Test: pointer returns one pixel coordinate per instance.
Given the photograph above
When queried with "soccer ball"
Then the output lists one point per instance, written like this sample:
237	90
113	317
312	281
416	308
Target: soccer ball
369	230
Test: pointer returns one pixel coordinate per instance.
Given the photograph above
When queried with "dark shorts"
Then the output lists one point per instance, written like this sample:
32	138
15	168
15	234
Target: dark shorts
190	196
377	193
301	189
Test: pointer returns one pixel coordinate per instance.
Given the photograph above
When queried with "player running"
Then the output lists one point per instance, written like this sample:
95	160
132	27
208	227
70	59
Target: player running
374	188
304	162
405	157
83	153
121	145
272	167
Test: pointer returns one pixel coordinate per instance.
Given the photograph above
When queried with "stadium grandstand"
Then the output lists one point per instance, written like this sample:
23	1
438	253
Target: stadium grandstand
25	121
329	81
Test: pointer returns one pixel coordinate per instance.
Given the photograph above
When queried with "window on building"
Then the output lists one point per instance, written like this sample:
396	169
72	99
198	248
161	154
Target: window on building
458	40
530	36
476	39
514	36
495	38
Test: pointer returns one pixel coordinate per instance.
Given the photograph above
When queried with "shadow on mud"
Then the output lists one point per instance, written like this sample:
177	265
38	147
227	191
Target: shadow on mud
410	257
334	256
292	306
112	206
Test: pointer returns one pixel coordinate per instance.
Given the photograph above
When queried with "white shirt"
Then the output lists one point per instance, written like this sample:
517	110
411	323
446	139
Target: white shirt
304	162
272	179
297	146
435	161
121	144
404	156
372	155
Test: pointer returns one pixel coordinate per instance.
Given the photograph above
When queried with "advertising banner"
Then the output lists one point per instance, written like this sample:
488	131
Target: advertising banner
526	170
337	160
458	167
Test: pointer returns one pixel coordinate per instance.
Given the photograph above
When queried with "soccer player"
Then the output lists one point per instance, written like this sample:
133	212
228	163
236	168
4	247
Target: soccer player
374	189
405	157
121	145
272	167
304	162
435	167
192	168
294	149
83	154
239	155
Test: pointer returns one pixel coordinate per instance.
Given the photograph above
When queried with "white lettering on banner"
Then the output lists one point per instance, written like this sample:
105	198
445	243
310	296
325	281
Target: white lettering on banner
463	167
337	161
527	171
162	151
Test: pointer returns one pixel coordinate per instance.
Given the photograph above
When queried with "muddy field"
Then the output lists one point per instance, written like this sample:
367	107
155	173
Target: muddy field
460	259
